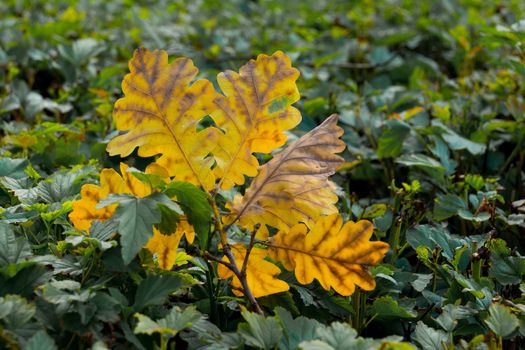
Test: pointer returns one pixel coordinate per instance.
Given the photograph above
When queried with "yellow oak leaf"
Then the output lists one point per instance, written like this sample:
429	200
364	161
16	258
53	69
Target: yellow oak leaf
254	113
293	187
165	246
160	113
336	255
260	273
84	209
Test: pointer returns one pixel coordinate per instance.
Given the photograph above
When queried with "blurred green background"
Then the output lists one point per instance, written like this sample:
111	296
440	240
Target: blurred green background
430	94
63	61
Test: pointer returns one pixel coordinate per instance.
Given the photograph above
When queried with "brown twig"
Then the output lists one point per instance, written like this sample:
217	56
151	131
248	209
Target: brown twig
216	259
246	288
249	250
233	264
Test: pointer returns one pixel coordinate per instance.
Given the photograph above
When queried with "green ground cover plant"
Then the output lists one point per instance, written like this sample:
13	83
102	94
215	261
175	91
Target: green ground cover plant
406	120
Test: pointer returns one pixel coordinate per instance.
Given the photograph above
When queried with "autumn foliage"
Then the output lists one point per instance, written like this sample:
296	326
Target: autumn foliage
287	213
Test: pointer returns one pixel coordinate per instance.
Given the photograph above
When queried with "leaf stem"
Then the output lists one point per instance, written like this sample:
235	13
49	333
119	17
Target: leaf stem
163	342
248	251
394	240
359	305
476	263
216	259
246	289
218	222
233	264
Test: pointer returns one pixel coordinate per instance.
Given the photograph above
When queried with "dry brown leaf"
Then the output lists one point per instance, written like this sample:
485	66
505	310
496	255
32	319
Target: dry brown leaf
293	187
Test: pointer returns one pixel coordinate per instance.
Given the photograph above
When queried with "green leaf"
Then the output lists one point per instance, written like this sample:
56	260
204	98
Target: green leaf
58	188
136	217
390	142
169	326
40	341
169	220
421	236
12	249
283	299
146	325
429	338
261	332
64	292
386	307
340	336
68	264
13	167
441	111
154	180
103	230
522	327
62	186
195	204
99	345
15	311
469	285
18	214
435	236
501	321
467	215
130	336
22	278
441	150
295	330
457	142
448	319
154	289
205	335
170	212
420	160
420	281
448	205
374	211
504	268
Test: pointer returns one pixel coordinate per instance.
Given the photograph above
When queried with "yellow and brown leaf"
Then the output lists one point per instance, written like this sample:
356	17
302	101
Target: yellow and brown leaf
293	187
165	246
336	255
260	274
254	113
160	113
85	210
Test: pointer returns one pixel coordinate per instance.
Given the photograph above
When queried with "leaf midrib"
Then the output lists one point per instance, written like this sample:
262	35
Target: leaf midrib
163	119
283	155
251	124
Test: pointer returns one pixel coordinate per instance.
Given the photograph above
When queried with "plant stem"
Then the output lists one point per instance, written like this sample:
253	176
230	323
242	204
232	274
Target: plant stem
476	263
476	270
359	305
513	154
233	264
163	343
218	222
213	301
248	251
394	240
247	292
